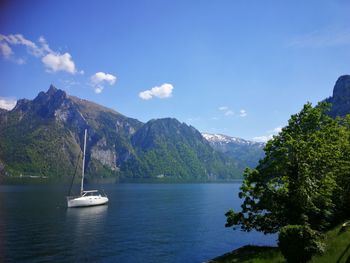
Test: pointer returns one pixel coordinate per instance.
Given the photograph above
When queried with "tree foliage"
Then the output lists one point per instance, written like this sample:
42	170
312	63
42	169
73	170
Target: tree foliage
298	243
303	179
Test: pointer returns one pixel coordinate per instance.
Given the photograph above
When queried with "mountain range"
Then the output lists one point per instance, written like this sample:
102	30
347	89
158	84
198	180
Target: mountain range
246	153
44	137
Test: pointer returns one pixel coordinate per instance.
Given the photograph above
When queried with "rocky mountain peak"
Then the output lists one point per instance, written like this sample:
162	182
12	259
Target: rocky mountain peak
52	90
46	103
342	87
341	97
22	105
51	94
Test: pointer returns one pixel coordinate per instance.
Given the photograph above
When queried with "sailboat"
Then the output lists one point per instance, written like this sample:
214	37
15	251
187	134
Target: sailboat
86	198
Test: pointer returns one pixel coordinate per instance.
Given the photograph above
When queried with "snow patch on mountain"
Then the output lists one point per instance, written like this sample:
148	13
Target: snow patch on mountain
225	139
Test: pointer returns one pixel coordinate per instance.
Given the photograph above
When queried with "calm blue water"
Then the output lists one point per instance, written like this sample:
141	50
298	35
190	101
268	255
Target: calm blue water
142	223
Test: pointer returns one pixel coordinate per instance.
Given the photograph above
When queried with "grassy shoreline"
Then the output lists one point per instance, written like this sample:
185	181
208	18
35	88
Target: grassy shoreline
251	254
337	250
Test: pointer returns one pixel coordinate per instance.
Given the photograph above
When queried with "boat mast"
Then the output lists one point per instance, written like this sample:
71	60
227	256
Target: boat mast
82	172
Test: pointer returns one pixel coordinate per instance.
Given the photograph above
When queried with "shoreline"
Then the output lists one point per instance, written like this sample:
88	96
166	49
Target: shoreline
44	180
247	252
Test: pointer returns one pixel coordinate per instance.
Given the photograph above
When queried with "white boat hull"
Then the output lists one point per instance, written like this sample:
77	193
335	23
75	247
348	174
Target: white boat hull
83	201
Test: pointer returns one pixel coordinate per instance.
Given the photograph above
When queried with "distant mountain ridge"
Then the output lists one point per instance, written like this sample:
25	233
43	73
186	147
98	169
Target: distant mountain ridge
247	153
44	136
225	139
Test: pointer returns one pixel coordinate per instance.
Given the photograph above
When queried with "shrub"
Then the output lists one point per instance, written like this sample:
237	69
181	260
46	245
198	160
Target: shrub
298	243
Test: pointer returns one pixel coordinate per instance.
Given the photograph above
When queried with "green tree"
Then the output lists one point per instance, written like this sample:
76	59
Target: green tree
341	194
299	243
295	183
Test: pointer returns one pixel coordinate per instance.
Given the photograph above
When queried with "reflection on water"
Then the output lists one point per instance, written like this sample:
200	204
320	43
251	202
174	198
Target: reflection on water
87	214
86	226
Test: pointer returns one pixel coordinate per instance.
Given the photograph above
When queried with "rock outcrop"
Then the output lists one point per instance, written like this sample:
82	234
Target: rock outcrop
341	97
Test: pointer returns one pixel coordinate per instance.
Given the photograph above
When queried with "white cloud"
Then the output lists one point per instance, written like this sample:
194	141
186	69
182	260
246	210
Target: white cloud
223	108
7	103
55	62
145	95
161	92
268	137
98	90
229	113
99	79
226	110
5	49
7	52
243	113
276	130
44	45
18	39
262	138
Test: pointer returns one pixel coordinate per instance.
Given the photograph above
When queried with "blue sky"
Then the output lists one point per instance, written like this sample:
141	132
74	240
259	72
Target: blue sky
239	68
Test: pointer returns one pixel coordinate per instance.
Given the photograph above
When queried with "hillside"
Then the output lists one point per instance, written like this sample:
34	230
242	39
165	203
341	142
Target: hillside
44	137
184	153
247	153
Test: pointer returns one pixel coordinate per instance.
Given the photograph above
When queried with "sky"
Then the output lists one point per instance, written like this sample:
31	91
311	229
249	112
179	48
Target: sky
239	68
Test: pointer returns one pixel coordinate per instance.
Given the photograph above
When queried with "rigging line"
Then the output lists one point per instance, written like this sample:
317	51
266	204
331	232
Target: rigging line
76	167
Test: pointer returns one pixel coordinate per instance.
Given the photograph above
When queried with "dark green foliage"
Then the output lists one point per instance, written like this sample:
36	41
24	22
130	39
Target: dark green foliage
295	182
303	179
168	148
47	150
298	243
341	194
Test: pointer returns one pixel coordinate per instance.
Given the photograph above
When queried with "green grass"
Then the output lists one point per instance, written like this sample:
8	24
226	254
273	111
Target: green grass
337	250
337	247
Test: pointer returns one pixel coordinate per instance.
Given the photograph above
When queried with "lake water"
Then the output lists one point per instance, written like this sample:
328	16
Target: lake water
142	223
